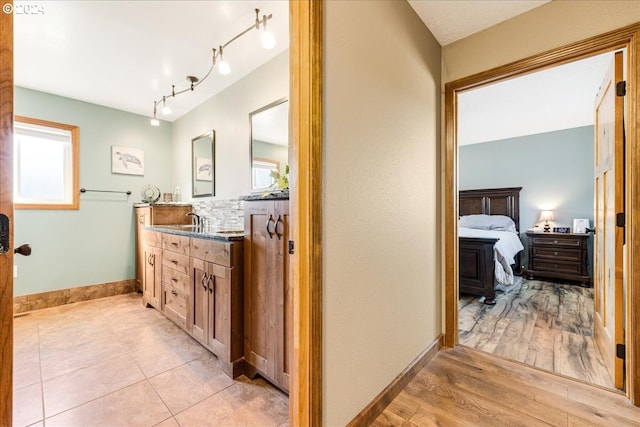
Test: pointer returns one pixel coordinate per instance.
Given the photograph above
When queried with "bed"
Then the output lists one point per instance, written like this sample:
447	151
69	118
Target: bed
480	259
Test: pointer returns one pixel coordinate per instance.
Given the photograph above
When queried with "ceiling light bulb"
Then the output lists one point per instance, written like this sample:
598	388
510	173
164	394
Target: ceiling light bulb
155	122
268	40
223	66
166	110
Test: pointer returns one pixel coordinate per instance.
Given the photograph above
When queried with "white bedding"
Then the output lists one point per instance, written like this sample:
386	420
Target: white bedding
504	250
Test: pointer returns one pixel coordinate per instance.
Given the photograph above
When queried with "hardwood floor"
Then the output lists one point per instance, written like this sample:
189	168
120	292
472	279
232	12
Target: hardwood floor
465	387
542	324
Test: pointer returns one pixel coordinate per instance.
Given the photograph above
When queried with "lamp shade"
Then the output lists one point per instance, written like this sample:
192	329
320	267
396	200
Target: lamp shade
546	216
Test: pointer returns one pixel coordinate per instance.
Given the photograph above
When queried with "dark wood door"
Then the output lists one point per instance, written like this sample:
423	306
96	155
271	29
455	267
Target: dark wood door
6	208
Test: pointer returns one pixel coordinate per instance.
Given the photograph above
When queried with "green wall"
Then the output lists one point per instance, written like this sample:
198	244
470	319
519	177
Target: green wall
94	244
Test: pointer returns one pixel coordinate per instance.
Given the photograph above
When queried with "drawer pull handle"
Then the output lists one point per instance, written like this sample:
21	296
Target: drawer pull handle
204	285
555	253
269	232
279	221
174	261
174	292
555	242
210	281
174	243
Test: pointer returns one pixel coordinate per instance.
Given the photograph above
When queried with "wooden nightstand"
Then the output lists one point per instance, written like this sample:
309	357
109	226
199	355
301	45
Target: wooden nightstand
559	256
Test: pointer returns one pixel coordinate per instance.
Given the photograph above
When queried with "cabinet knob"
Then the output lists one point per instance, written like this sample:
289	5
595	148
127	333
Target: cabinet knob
174	292
555	242
555	253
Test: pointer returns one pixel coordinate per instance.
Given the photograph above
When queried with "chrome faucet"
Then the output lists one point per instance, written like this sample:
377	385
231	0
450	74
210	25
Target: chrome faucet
195	219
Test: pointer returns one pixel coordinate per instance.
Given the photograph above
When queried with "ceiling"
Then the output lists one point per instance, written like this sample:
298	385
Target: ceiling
126	54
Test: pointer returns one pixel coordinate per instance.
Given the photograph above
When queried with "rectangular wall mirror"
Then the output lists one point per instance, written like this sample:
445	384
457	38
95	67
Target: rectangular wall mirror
269	143
203	170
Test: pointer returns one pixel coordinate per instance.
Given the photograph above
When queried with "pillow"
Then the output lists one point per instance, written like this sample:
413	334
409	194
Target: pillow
488	222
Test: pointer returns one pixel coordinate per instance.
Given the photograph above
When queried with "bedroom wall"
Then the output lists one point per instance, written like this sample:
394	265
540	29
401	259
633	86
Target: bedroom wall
94	244
554	169
381	224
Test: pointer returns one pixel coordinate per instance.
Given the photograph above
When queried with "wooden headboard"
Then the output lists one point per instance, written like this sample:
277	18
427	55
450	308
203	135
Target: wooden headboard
492	201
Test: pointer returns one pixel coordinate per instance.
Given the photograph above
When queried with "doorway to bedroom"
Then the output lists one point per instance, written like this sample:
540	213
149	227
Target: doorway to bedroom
529	296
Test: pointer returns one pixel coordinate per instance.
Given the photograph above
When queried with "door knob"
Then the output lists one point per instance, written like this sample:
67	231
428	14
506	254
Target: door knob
23	250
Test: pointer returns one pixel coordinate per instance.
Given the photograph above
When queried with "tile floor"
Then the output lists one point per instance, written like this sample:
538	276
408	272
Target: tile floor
112	362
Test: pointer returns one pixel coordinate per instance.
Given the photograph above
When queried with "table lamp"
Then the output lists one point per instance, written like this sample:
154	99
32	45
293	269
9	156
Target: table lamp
546	216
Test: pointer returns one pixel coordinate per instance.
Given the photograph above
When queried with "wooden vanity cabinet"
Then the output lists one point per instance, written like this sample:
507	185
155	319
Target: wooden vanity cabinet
267	308
216	300
155	215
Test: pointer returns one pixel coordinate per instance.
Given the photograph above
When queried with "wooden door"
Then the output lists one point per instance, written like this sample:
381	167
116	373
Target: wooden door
608	239
219	330
282	293
6	208
151	284
199	302
259	324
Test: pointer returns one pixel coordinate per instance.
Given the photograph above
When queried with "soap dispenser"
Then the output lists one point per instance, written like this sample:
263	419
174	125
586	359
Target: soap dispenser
176	194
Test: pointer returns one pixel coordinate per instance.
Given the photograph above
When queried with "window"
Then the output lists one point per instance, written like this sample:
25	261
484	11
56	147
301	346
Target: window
45	164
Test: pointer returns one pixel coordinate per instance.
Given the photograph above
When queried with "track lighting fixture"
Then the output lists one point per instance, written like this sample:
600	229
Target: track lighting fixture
268	41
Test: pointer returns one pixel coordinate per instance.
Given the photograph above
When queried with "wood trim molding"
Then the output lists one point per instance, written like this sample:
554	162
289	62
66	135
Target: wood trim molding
627	37
367	416
305	154
6	208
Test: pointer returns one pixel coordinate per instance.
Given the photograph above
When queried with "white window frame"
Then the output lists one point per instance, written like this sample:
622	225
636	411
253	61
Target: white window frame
71	162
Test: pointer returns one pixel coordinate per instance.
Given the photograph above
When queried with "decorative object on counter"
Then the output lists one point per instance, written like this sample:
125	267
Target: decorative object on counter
561	229
150	194
546	216
268	42
84	190
167	197
126	160
281	181
580	225
176	194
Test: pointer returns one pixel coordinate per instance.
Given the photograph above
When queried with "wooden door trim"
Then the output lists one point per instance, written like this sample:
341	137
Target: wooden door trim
627	37
6	207
305	156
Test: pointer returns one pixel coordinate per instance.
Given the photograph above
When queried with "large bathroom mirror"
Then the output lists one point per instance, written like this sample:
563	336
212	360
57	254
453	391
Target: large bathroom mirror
269	143
203	171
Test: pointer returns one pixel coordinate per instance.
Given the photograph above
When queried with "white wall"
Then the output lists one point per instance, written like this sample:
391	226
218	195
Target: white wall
228	113
381	180
552	25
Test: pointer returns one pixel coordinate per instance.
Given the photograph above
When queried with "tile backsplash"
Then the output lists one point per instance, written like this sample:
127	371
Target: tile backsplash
221	214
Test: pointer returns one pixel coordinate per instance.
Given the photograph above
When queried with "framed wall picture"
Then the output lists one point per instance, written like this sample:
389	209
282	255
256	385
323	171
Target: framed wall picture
204	169
126	160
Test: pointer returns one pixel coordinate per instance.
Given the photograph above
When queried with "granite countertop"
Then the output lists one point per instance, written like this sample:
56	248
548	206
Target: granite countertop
145	204
272	195
199	232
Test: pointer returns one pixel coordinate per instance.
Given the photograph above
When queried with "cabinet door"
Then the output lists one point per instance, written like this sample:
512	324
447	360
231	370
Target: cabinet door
199	300
282	297
259	325
152	275
219	328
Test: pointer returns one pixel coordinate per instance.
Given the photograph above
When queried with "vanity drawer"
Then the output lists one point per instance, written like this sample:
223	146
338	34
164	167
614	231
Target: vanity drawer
212	251
175	243
176	261
178	280
174	304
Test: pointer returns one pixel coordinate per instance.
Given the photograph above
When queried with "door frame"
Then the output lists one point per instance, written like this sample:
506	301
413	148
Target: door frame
627	37
6	207
305	154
